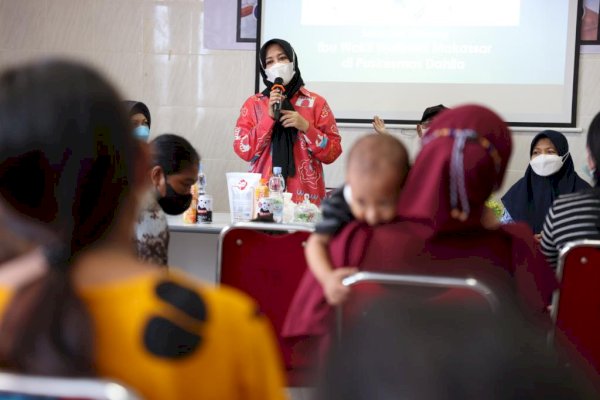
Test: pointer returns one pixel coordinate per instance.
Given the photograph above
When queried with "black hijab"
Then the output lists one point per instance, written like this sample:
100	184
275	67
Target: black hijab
530	198
137	107
282	139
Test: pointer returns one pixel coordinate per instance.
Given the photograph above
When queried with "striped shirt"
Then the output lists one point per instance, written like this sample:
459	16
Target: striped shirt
573	216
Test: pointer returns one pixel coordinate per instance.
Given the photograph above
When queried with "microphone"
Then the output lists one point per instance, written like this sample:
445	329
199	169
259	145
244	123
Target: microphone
279	88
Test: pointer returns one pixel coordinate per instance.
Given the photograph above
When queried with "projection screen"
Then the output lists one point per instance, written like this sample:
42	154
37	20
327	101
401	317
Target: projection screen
394	58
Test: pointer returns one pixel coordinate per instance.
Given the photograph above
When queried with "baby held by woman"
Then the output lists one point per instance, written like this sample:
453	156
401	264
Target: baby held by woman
376	169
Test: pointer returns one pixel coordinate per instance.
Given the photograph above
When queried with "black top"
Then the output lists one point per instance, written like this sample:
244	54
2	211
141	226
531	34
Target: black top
336	213
529	199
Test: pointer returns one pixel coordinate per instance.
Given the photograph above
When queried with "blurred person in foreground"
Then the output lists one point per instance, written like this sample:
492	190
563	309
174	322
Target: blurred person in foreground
412	351
74	299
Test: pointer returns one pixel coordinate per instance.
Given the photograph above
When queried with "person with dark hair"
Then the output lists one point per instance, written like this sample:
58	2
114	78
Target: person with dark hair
428	116
139	114
426	352
301	139
376	169
575	216
173	171
74	298
550	174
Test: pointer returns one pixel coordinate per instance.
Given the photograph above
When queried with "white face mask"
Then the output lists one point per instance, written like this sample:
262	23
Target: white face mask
284	71
547	164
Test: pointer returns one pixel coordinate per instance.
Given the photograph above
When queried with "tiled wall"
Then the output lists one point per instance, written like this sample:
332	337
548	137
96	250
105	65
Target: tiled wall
153	51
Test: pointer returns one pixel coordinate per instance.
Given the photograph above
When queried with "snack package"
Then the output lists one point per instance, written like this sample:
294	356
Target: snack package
240	186
306	212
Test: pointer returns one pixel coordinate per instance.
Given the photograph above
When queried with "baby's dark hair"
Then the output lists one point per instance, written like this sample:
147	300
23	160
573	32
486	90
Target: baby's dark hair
376	154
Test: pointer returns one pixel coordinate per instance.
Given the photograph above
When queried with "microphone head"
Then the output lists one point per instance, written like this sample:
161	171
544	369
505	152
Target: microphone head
278	85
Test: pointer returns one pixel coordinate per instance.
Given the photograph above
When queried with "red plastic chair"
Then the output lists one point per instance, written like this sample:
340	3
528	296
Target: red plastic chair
266	261
368	286
576	306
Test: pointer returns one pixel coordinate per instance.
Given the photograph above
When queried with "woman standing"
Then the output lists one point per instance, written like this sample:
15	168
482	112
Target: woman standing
550	173
303	136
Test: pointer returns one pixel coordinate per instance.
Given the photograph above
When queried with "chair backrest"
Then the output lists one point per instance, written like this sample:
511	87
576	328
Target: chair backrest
576	306
444	282
367	286
13	386
266	261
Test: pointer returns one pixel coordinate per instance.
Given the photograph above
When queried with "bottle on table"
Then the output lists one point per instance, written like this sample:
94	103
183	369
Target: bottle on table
204	200
262	202
201	179
276	189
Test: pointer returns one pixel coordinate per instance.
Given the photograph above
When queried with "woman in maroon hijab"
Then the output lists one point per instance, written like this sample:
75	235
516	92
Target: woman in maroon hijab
443	228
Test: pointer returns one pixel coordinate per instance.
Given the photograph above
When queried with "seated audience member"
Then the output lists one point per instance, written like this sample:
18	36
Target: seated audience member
575	216
550	174
400	351
74	299
375	173
426	119
173	171
440	231
139	115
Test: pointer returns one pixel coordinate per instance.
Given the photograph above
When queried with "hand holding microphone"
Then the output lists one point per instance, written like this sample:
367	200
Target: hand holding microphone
276	97
290	118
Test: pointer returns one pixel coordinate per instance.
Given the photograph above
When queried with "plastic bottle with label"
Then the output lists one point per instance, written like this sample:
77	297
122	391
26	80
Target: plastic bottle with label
204	210
262	204
201	179
276	189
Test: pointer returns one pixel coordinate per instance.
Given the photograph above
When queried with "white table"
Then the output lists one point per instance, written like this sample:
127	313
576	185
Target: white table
193	247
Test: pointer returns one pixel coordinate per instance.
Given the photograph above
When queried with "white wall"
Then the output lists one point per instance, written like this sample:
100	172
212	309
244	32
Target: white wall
153	51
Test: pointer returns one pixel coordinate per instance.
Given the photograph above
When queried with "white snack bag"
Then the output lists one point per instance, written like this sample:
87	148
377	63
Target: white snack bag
240	186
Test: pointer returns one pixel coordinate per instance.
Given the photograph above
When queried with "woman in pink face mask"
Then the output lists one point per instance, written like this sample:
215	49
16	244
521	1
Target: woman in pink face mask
299	137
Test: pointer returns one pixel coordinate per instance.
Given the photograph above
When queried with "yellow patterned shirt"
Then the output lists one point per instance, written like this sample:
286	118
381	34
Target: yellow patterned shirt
170	338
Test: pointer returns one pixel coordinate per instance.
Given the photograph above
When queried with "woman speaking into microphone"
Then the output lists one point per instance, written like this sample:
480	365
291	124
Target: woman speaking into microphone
287	126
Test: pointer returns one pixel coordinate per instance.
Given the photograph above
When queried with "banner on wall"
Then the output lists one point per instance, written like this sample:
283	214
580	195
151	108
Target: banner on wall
230	24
